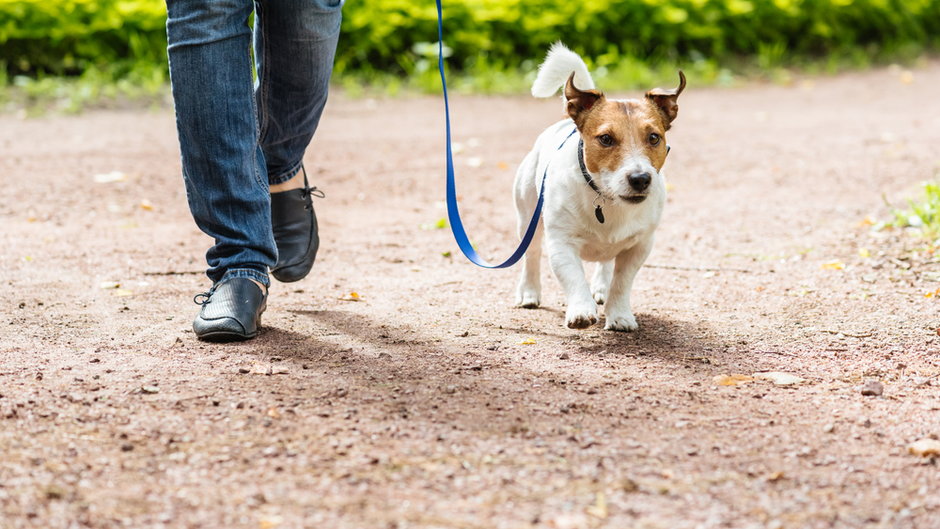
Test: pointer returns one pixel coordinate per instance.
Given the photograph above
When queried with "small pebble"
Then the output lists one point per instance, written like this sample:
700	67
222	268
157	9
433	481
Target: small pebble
872	388
829	428
564	356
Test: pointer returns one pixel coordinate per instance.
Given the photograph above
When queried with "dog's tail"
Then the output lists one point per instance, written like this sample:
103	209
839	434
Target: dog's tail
558	66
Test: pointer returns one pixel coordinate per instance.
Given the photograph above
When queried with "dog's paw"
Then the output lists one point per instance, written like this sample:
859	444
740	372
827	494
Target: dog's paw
600	295
580	318
528	299
622	323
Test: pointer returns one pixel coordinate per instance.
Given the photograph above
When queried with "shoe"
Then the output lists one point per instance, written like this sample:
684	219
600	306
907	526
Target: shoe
295	232
230	311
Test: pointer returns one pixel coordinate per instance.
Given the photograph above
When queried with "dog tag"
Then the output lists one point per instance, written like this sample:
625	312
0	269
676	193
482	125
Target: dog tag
599	213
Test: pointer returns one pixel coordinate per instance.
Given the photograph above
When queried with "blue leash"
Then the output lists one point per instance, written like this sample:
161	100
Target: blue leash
453	215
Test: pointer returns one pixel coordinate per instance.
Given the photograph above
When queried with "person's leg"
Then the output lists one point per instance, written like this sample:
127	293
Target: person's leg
209	46
295	43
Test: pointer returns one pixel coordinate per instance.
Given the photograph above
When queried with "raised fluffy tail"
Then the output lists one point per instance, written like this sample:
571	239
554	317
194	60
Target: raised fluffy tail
558	66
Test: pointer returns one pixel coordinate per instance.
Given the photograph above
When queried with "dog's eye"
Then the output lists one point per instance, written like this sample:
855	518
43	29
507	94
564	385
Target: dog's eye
606	140
654	139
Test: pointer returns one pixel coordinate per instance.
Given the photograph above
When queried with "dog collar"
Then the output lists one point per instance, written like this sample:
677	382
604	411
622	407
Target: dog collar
598	212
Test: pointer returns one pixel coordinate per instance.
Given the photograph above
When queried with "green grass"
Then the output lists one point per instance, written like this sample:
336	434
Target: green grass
143	84
922	214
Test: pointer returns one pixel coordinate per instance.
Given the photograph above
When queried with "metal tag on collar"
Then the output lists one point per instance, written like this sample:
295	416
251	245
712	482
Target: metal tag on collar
598	212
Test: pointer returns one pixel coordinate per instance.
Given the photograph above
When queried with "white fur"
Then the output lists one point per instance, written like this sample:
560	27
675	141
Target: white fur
554	72
571	231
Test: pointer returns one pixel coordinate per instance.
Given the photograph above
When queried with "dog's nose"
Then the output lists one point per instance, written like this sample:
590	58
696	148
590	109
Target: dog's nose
639	181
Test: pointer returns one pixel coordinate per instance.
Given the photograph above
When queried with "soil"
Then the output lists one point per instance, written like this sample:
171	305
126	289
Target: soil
431	402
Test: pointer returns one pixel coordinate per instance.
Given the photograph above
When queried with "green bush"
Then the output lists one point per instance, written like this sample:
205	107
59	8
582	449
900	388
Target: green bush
68	37
393	36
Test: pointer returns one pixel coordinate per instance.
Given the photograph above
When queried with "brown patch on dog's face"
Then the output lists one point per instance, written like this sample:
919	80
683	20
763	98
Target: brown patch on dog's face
615	130
623	138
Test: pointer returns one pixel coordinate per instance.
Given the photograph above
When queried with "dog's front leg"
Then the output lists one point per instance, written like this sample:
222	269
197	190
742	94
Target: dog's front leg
619	315
568	268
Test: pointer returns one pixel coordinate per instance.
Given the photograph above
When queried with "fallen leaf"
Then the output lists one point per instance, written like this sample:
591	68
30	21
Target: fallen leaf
260	369
439	225
733	379
502	166
867	221
352	296
925	448
107	178
599	509
270	522
527	341
833	265
864	253
778	378
146	205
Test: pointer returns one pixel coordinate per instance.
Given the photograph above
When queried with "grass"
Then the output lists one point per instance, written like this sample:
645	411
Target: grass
922	214
144	84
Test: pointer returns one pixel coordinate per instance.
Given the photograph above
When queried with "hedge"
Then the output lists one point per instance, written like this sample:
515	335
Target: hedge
392	36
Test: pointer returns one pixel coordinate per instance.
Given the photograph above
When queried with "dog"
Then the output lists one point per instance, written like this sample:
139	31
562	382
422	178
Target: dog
604	191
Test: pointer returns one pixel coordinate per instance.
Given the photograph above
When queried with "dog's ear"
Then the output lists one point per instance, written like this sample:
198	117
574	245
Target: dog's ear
579	101
665	100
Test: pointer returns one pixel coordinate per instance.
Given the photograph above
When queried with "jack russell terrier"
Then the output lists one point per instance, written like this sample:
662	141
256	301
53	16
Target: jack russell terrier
603	191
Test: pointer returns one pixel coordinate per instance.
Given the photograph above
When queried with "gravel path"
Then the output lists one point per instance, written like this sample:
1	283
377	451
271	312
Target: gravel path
433	403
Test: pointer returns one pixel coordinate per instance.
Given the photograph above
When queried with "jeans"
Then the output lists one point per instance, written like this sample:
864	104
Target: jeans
238	136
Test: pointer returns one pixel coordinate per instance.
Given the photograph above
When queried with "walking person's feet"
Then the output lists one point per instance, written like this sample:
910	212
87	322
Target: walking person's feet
231	311
294	223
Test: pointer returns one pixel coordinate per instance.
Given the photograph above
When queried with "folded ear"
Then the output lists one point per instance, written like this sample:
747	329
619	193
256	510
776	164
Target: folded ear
579	101
666	100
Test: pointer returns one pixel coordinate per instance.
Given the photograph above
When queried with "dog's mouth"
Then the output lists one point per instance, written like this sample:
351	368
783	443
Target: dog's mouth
634	199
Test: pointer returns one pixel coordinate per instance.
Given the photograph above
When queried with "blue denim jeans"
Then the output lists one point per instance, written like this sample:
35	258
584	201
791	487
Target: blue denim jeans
237	135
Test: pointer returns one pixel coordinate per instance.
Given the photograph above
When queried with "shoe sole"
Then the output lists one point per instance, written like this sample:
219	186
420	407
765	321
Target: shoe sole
221	337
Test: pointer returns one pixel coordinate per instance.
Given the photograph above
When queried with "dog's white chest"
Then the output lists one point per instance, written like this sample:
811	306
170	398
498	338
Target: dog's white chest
601	248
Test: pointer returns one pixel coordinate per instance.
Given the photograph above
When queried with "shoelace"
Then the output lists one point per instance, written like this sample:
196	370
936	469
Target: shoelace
312	192
203	298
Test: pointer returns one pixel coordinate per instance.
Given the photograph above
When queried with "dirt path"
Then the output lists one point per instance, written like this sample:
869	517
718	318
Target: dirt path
421	406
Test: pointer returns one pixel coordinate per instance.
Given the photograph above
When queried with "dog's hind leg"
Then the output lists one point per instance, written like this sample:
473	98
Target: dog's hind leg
529	290
600	283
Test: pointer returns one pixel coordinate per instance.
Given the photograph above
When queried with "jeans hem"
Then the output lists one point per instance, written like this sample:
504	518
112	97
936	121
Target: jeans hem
286	175
247	273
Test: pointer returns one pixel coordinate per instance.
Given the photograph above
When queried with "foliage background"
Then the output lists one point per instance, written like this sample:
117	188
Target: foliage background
391	40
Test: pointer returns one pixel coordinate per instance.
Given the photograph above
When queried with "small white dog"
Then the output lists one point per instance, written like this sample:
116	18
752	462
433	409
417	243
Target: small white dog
604	193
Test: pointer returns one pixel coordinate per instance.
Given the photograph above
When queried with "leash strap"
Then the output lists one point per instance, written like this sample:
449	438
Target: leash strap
453	214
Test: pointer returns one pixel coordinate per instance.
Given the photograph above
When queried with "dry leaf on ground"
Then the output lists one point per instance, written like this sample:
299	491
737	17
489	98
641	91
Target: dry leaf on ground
733	379
925	448
780	379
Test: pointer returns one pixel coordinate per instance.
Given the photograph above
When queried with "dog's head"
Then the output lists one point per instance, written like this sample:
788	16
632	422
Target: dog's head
624	140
